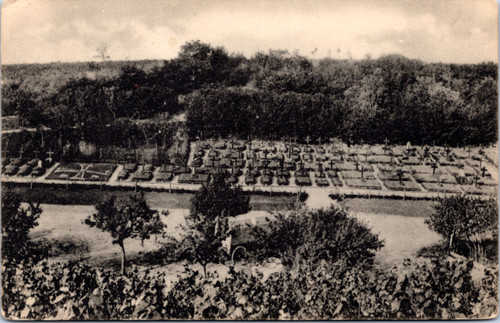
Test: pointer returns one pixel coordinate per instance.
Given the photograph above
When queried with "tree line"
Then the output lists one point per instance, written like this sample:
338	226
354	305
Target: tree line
276	95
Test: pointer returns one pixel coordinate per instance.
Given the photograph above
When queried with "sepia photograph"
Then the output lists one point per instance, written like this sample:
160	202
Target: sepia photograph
249	160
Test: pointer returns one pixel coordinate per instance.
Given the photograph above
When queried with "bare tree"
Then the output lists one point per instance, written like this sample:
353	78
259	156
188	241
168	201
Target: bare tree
102	52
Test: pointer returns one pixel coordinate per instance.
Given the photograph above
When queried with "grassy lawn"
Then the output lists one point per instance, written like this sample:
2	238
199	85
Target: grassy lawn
411	208
90	196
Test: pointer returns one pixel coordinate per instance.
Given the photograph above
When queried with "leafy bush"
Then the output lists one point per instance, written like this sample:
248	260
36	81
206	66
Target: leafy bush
467	224
17	222
311	236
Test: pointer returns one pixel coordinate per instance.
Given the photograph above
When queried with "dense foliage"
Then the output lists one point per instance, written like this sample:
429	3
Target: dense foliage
269	95
461	219
219	195
17	223
439	290
133	220
309	237
207	223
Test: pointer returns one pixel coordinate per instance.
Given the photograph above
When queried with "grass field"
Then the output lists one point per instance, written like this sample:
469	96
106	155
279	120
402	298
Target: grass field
411	208
91	196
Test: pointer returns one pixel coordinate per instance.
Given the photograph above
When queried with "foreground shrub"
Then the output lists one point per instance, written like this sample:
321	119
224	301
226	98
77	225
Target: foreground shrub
311	236
438	290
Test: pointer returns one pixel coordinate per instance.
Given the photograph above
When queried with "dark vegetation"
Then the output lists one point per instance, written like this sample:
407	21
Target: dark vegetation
128	105
77	194
469	226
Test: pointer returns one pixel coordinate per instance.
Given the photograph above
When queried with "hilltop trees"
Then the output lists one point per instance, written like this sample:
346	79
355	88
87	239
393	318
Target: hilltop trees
133	220
370	100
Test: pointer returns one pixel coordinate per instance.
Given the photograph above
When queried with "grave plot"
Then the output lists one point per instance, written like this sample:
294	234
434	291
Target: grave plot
380	159
410	161
447	161
357	174
480	190
321	181
194	178
303	180
282	180
443	188
83	172
435	178
421	169
363	184
402	186
335	182
487	181
465	171
141	176
393	176
164	177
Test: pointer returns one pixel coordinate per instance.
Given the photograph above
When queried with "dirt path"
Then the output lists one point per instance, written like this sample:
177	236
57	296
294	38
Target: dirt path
403	236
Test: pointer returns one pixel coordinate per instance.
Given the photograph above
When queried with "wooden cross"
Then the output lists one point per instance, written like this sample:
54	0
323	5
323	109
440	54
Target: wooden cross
50	153
480	161
319	140
475	179
36	153
362	172
400	174
434	166
320	167
447	150
265	153
308	139
21	151
426	151
483	170
356	164
386	141
331	164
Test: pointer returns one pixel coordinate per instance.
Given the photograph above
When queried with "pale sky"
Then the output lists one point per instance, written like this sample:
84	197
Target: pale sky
450	31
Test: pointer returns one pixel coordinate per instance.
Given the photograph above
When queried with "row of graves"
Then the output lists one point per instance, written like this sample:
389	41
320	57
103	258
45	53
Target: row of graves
264	163
435	169
34	164
164	173
398	168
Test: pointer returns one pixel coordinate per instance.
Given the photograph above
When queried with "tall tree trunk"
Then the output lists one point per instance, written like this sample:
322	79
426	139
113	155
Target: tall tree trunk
124	259
451	242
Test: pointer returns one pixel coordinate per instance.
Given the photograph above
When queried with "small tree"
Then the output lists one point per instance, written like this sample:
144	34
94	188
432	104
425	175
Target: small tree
217	196
133	220
207	223
457	217
17	222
